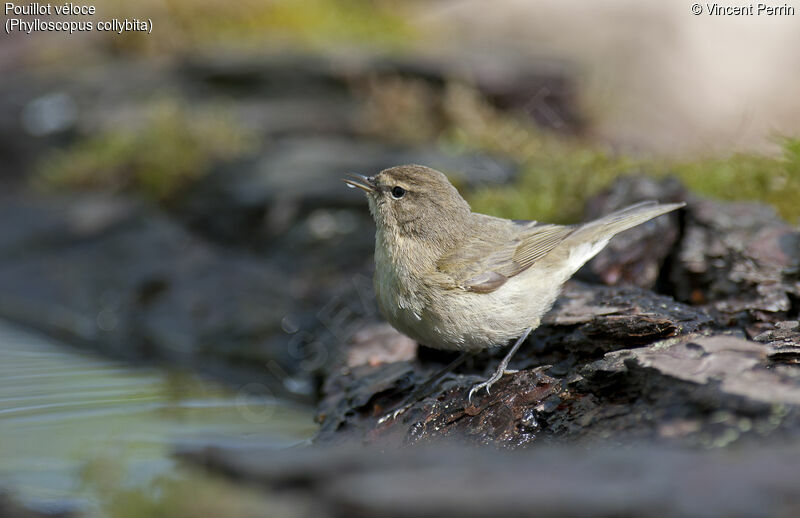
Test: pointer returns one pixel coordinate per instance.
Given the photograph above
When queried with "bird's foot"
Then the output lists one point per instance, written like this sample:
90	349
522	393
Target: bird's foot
489	382
502	368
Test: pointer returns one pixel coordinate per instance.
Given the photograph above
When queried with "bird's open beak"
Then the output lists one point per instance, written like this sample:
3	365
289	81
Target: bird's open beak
365	183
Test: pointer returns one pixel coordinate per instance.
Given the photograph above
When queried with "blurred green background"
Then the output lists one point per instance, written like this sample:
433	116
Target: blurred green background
673	117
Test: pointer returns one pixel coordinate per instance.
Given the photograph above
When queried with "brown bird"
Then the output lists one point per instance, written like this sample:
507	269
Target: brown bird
457	280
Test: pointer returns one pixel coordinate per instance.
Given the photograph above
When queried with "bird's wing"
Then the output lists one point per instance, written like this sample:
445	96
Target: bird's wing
498	250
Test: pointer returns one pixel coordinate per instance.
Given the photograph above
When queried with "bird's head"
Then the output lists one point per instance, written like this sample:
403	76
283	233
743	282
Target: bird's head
414	201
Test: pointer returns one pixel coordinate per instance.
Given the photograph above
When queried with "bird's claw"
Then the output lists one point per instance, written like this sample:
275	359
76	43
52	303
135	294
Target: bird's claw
474	389
488	383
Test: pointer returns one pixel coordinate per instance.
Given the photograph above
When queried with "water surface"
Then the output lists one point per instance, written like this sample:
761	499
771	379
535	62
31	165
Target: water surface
63	411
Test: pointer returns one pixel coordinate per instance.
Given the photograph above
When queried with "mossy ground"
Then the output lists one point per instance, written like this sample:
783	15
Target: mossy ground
555	182
166	151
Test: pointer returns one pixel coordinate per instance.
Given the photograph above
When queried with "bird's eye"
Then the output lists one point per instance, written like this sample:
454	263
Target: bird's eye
397	192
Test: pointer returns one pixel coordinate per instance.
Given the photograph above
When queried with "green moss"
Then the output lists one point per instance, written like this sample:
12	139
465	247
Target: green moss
773	180
188	25
554	184
171	147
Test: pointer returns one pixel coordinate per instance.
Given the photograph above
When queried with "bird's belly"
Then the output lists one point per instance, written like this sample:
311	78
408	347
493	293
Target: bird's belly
468	321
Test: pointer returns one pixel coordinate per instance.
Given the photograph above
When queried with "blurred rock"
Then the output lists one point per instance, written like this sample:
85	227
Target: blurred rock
255	200
783	343
544	90
741	260
782	334
52	113
127	280
43	112
637	481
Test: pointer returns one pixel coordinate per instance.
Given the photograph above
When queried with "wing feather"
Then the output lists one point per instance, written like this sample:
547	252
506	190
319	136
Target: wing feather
499	250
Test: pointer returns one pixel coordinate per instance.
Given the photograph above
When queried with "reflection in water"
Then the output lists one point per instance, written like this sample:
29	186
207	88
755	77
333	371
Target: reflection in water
62	411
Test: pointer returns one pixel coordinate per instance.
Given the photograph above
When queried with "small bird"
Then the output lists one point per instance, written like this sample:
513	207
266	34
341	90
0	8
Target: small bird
457	280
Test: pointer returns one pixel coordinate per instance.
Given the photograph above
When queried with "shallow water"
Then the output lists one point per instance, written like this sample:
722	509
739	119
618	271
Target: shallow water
63	410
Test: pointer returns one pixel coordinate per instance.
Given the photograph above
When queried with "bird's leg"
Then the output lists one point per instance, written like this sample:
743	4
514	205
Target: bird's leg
501	369
423	390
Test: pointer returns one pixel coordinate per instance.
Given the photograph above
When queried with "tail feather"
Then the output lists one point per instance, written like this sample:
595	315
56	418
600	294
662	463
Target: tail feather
629	217
588	239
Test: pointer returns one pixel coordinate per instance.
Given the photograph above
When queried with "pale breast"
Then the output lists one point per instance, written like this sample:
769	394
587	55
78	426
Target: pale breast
432	310
475	321
454	319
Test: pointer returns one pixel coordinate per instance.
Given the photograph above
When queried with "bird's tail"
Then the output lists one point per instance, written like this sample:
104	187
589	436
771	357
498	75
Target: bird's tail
614	223
588	239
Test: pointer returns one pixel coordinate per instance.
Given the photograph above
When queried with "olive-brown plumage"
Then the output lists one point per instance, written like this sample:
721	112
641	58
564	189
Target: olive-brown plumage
458	280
